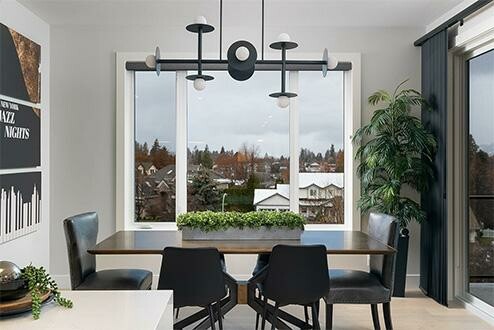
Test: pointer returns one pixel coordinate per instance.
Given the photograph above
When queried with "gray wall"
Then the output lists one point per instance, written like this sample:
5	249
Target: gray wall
34	247
83	102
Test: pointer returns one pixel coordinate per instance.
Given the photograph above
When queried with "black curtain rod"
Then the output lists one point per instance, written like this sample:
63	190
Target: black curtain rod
222	65
453	20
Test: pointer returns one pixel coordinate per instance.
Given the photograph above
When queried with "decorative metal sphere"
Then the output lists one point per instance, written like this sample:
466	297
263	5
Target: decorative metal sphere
9	272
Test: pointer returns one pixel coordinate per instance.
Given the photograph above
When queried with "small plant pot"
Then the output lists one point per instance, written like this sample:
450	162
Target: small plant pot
261	233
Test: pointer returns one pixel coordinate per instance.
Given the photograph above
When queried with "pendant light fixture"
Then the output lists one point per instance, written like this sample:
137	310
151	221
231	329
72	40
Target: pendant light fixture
242	59
283	44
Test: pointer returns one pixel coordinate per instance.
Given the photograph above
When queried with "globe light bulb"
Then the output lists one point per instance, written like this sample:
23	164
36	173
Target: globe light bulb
284	37
283	101
199	84
200	20
151	61
242	53
332	62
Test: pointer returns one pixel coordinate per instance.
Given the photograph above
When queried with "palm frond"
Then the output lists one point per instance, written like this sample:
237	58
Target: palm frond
398	151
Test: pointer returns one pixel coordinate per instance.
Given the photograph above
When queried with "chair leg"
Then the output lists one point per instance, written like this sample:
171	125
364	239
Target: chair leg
306	313
315	316
329	316
375	317
387	316
257	320
264	310
211	316
220	316
176	312
275	316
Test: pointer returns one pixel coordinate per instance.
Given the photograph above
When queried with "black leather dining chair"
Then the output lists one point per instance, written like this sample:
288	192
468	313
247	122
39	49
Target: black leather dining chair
81	232
373	287
196	277
261	262
295	275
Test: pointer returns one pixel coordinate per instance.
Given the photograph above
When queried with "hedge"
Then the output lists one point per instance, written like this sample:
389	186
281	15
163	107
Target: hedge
209	220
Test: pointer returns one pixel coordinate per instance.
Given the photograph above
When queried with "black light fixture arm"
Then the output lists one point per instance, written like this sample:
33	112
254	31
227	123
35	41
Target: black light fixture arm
283	68
199	51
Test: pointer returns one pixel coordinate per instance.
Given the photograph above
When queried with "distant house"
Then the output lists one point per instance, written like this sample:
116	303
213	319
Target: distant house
313	167
146	168
320	197
277	199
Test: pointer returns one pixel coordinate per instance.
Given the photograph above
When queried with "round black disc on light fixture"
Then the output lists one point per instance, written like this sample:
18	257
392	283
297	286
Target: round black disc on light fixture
199	76
287	94
242	56
286	44
206	28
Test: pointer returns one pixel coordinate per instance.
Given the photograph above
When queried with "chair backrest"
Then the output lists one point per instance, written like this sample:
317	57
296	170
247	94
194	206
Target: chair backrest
384	228
81	232
297	274
194	274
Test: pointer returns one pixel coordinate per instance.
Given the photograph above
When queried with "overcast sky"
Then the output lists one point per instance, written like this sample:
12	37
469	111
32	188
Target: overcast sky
482	100
228	112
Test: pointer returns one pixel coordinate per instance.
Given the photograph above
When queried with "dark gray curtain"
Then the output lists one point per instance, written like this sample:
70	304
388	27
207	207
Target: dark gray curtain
433	250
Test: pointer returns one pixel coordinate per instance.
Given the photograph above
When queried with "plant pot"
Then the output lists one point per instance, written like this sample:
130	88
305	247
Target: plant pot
261	233
401	264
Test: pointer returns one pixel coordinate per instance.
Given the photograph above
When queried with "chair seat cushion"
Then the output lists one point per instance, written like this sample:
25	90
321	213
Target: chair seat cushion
356	287
118	279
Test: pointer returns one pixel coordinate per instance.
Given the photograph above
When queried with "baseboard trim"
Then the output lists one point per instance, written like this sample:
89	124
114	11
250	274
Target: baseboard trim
489	318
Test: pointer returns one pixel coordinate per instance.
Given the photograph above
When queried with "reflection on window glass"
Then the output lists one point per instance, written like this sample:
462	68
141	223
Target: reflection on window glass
481	177
237	145
154	146
321	147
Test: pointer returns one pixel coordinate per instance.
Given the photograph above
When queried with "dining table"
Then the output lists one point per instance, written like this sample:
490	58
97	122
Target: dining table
152	242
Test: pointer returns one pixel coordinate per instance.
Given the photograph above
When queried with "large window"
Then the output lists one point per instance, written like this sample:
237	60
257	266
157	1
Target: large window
481	177
238	150
321	159
154	149
231	148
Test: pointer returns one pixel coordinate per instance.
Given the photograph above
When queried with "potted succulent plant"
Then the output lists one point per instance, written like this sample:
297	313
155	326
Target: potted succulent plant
16	283
395	150
238	225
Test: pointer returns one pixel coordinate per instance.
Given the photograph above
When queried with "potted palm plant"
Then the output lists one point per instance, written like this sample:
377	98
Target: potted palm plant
395	150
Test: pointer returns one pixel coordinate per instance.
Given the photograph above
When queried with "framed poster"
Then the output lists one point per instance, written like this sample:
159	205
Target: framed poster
19	135
20	204
20	60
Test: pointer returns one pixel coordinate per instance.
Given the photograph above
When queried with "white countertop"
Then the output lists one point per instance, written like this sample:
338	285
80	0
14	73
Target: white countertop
102	310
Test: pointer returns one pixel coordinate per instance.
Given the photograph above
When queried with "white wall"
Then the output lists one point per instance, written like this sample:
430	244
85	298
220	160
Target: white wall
33	247
83	105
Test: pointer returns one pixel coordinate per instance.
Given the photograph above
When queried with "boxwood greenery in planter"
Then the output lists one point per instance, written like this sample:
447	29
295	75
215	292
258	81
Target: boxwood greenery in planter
238	225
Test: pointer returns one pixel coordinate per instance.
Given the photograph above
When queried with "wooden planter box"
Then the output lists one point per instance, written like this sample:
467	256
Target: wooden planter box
262	233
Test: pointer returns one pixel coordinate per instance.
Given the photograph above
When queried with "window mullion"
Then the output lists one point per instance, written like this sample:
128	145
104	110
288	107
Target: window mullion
181	147
294	143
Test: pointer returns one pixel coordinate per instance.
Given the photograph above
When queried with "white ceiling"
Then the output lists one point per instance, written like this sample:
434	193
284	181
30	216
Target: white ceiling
382	13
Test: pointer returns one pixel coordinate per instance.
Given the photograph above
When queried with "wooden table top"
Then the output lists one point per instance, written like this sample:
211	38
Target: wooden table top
153	242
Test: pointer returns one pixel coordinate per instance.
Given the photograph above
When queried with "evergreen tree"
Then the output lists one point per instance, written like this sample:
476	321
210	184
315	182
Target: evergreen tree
206	159
204	189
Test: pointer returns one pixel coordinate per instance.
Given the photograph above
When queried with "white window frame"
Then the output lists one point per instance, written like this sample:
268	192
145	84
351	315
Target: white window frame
125	143
474	38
